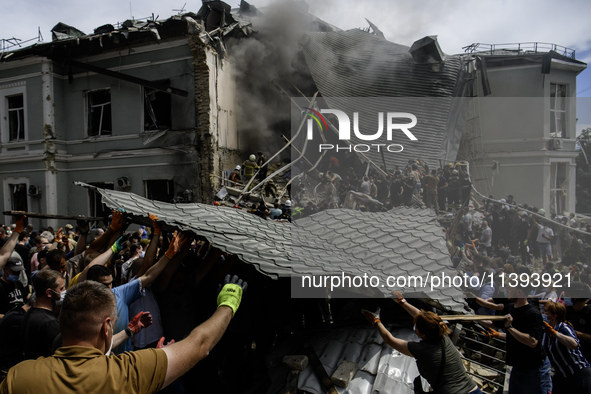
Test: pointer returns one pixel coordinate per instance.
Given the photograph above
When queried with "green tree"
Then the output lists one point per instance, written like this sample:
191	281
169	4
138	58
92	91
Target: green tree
584	172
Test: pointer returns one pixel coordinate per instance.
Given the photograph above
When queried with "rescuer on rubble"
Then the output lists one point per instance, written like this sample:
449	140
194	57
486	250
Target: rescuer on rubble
249	168
235	178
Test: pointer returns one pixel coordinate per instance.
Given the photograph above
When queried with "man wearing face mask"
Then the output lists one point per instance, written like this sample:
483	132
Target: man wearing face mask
88	315
40	325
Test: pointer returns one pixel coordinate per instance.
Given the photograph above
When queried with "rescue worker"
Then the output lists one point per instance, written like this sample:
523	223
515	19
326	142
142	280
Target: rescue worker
261	159
249	167
465	186
453	191
235	178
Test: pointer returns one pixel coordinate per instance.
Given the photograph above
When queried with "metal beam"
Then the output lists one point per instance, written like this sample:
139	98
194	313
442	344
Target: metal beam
129	78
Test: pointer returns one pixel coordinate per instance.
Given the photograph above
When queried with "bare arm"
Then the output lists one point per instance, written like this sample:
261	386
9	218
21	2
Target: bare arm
83	227
395	343
567	340
183	355
9	245
488	304
102	259
150	256
411	309
584	336
524	338
175	246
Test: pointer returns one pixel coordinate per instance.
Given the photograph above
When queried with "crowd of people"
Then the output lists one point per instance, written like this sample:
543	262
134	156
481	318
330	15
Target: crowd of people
69	298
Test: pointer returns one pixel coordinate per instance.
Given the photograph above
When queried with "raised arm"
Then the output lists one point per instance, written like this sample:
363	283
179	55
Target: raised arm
399	299
176	245
9	245
183	355
150	256
114	230
395	343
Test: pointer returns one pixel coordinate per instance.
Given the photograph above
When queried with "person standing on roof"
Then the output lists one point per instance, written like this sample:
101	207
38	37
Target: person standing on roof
453	191
249	167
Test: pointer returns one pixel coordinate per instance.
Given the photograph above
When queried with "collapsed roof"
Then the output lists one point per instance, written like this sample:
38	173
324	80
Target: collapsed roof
356	64
401	243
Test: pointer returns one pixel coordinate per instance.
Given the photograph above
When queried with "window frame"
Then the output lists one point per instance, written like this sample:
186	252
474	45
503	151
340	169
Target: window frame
555	120
89	117
5	94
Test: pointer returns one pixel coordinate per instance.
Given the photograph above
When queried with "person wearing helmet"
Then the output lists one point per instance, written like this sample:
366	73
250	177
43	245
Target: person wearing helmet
235	178
286	211
249	168
453	191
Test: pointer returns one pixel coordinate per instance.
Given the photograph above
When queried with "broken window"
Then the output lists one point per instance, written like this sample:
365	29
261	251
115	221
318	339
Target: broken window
16	117
160	190
18	195
99	112
157	109
95	199
557	111
558	187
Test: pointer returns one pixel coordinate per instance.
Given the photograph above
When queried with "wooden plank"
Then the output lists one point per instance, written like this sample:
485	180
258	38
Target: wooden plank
471	317
49	216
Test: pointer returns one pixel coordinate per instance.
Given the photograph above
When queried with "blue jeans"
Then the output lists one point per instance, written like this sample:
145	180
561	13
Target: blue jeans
531	381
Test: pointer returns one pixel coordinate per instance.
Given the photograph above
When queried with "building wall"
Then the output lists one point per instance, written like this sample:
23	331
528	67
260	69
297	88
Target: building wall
514	124
57	151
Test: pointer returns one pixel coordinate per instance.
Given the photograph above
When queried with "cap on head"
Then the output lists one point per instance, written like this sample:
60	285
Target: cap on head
15	264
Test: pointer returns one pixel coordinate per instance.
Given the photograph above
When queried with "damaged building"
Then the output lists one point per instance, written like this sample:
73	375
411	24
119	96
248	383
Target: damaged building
164	109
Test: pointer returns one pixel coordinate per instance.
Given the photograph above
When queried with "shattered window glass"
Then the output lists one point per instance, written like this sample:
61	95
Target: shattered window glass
157	109
16	118
557	111
99	112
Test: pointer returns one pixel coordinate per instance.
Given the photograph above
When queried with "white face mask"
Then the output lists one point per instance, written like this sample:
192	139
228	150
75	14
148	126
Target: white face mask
110	347
62	296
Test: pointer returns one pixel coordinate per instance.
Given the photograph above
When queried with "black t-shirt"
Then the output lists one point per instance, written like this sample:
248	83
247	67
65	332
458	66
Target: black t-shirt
12	294
581	321
528	320
454	379
40	328
11	330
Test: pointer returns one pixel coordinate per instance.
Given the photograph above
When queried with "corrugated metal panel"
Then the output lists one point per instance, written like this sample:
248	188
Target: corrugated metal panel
398	243
354	64
380	369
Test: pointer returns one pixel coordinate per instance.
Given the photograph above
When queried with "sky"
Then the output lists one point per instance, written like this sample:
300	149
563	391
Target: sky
457	23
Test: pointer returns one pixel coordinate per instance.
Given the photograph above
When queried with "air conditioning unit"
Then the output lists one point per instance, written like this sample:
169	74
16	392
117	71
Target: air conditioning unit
34	191
555	143
123	182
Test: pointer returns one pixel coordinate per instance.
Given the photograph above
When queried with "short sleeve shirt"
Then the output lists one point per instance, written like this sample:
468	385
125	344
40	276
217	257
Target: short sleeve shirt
12	294
125	295
79	369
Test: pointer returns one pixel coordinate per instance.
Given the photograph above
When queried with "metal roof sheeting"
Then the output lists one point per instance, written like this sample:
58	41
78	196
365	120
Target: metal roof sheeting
398	243
356	64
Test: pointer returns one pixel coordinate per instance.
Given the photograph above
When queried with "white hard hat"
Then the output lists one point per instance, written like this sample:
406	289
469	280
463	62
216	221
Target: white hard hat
253	158
288	203
541	212
238	167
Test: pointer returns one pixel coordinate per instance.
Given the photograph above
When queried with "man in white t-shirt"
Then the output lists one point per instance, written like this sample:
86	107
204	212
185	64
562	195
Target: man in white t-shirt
545	236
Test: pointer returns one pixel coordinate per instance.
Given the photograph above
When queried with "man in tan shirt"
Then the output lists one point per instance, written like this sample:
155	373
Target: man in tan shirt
82	364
